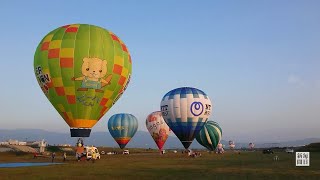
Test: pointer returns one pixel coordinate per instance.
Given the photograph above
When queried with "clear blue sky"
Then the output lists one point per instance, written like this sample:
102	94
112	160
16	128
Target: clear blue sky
259	61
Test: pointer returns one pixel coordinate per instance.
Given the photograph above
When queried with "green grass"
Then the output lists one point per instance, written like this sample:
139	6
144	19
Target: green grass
152	165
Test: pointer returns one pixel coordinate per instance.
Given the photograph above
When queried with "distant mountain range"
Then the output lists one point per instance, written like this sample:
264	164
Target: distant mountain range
141	139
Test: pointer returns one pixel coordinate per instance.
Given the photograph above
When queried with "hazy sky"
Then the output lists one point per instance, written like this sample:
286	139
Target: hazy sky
259	61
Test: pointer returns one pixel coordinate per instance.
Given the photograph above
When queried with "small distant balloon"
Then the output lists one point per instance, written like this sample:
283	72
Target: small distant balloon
220	149
231	144
122	128
251	145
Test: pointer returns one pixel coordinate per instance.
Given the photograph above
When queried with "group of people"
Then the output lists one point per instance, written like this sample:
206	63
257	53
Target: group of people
192	153
82	152
53	156
195	154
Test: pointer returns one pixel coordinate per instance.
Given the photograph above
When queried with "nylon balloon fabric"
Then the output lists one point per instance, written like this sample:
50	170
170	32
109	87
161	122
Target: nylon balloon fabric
83	70
122	128
210	135
186	110
158	128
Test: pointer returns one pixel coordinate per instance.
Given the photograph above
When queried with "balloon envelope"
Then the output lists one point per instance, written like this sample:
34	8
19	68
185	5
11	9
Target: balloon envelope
231	142
185	110
122	128
158	128
82	69
210	135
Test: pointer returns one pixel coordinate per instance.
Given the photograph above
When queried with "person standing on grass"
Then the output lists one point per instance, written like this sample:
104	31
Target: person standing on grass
34	155
53	155
94	156
64	156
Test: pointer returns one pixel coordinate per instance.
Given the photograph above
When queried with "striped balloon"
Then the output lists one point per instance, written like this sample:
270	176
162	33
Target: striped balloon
210	135
185	110
122	128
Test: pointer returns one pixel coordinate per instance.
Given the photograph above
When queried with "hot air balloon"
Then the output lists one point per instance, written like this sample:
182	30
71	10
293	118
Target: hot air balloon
220	149
231	144
251	145
210	135
186	110
158	128
83	70
122	128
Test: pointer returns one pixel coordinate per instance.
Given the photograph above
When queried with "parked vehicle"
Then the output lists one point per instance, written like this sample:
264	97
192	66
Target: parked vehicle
126	152
289	150
267	151
89	150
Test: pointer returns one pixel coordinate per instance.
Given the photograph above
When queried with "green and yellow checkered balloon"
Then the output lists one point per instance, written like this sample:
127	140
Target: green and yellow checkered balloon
83	70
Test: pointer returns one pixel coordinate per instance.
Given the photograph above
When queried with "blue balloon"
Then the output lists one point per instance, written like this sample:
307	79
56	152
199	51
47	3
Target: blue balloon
186	110
122	128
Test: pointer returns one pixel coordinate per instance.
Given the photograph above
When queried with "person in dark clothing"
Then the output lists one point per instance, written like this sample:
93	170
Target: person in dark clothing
53	155
64	156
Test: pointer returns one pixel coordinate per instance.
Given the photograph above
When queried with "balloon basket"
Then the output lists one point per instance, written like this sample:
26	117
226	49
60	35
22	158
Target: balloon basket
80	132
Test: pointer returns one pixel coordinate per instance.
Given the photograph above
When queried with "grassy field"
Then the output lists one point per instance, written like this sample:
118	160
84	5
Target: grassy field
152	165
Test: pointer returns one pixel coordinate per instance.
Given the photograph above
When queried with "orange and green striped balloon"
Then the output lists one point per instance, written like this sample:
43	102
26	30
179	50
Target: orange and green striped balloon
83	70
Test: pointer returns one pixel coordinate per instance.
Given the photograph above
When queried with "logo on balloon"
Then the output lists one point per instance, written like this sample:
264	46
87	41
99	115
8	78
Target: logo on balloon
196	108
155	125
43	78
164	110
119	128
88	100
121	92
